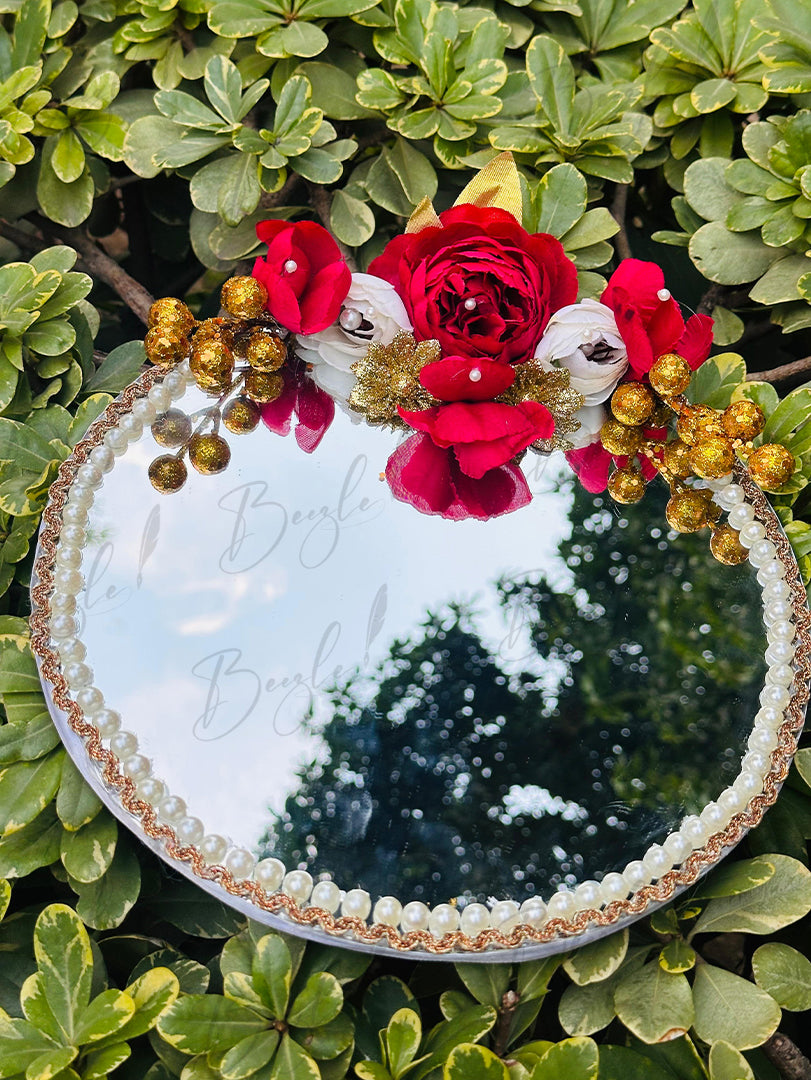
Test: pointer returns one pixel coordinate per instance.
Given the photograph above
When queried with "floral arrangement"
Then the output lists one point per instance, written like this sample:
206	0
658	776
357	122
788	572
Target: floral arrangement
466	334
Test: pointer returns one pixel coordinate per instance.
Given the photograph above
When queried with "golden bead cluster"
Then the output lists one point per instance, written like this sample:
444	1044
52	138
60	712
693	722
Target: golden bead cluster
706	445
236	359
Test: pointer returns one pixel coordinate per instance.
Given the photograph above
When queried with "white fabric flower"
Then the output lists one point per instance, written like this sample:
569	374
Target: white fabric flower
372	311
592	418
584	338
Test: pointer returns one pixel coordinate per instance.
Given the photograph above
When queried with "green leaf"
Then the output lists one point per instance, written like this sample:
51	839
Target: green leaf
707	191
65	203
780	282
273	973
584	1010
534	975
189	909
76	802
223	87
351	220
319	1002
487	982
576	1059
330	1041
65	963
730	258
561	199
677	956
51	1063
150	993
727	326
68	160
31	847
105	902
100	1063
784	974
249	1054
783	899
620	1063
791	413
402	1040
334	90
730	1008
26	788
716	379
105	1015
20	1045
712	94
193	978
88	853
471	1062
598	960
199	1023
551	77
654	1004
727	1063
293	1063
400	178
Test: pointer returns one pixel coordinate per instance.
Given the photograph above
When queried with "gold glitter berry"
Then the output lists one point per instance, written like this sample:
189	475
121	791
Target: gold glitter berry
626	485
263	386
676	459
171	428
686	511
726	546
170	312
212	364
670	375
698	421
265	352
165	346
712	457
618	438
771	466
209	454
244	297
743	420
241	415
632	403
167	473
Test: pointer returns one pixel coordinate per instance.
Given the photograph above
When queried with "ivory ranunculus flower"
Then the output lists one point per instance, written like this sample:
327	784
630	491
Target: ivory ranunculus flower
584	339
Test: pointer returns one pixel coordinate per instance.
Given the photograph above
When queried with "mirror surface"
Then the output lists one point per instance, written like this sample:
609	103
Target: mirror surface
419	707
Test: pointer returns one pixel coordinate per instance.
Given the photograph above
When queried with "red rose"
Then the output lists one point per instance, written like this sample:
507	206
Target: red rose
481	285
304	273
649	319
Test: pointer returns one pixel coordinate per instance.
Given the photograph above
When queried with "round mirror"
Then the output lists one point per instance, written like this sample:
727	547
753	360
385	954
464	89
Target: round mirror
359	722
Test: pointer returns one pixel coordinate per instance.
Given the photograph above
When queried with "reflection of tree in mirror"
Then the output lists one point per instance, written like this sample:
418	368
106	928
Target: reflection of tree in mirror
449	772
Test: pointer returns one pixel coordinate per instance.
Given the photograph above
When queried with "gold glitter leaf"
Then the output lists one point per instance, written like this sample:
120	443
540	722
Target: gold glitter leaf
388	376
551	388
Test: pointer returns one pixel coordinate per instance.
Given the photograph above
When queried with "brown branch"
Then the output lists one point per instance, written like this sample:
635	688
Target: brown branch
25	241
501	1036
321	201
100	265
787	1058
271	200
618	208
785	371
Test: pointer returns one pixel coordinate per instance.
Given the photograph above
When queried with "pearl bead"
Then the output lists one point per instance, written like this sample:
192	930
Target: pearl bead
159	397
741	515
102	458
350	319
150	789
770	571
90	700
713	816
388	910
776	696
657	860
68	581
132	427
587	895
533	912
90	476
240	862
414	917
327	895
751	533
729	496
174	384
290	266
444	919
777	610
762	552
470	304
763	739
731	802
677	847
269	873
694	831
63	626
62	604
298	885
561	905
782	630
213	847
663	294
357	903
117	440
780	675
78	675
475	919
636	874
475	375
756	761
68	557
123	743
171	809
189	830
769	717
72	534
73	514
780	652
613	887
72	648
136	766
776	590
504	915
144	410
749	784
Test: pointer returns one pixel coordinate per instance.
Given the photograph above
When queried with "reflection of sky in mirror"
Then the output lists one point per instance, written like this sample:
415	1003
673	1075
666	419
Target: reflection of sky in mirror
265	584
218	618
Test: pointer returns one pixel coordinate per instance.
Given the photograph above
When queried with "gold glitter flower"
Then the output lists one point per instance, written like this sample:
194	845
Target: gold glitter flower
551	388
388	376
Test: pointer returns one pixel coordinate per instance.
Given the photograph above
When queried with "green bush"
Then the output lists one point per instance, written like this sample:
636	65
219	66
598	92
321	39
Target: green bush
140	142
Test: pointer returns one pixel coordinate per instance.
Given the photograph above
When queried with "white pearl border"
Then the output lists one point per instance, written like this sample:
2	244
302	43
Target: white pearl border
271	874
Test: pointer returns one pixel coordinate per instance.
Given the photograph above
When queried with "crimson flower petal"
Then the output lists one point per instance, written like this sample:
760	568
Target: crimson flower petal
591	464
454	378
696	341
419	473
316	411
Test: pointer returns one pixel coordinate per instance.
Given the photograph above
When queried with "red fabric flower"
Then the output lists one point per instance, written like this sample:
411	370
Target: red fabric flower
313	407
428	478
304	273
650	325
482	255
591	464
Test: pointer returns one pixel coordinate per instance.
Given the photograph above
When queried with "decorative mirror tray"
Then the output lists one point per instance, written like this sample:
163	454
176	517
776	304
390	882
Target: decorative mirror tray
393	731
